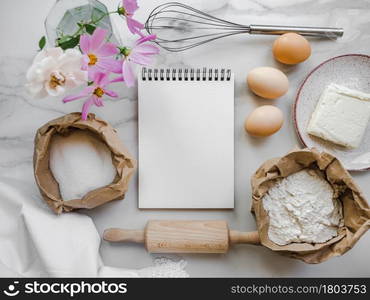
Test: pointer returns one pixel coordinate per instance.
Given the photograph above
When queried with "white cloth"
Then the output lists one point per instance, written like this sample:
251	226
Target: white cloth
36	242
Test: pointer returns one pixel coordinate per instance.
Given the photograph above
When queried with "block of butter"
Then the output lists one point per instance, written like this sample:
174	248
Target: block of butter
341	116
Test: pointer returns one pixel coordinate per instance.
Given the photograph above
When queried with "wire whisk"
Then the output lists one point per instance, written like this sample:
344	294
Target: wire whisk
180	27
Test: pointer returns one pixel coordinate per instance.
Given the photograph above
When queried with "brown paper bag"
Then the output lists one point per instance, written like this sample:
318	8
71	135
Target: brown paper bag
356	210
48	186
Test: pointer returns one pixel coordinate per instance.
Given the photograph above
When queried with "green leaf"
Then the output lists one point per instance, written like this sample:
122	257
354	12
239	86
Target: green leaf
42	43
69	43
90	28
63	39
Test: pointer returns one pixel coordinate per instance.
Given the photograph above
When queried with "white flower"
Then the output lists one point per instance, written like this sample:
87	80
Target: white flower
54	71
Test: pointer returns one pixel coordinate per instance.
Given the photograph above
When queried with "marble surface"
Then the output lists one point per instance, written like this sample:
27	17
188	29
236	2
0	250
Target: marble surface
20	116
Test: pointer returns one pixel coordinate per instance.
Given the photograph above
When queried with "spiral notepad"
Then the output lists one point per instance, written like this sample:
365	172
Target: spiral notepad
186	138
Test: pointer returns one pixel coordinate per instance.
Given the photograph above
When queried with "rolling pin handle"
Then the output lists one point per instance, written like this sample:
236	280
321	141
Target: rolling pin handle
124	235
238	237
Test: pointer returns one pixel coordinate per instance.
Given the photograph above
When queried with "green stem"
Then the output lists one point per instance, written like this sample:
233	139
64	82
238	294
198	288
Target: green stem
78	32
102	17
92	22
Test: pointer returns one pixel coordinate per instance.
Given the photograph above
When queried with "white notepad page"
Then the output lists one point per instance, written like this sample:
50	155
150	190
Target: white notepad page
186	144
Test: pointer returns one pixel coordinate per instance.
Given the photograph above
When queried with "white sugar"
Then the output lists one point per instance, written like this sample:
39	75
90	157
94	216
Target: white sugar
80	163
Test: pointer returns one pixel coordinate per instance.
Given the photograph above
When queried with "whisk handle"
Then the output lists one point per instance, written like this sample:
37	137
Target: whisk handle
326	32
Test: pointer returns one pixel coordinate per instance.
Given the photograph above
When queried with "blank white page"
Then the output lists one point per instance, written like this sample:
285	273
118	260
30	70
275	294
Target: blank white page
186	144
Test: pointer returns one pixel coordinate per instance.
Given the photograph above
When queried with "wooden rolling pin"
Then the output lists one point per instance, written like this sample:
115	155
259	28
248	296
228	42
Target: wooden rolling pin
183	236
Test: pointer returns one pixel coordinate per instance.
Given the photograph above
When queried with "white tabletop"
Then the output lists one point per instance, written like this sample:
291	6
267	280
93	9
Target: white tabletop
21	26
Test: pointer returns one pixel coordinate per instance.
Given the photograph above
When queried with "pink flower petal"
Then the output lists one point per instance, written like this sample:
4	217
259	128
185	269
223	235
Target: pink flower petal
117	79
141	59
128	73
98	101
86	107
97	38
83	94
147	49
110	64
133	25
144	39
99	78
141	34
105	81
85	43
111	93
108	49
92	70
130	6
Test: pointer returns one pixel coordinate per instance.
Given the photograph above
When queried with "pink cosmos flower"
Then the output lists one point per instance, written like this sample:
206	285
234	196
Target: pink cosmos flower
128	9
97	54
95	92
141	53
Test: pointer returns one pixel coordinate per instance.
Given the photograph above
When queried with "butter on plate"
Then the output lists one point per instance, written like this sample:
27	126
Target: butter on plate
341	116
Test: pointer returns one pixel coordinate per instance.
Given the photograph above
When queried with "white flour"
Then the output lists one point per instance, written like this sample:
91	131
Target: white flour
302	209
165	268
80	163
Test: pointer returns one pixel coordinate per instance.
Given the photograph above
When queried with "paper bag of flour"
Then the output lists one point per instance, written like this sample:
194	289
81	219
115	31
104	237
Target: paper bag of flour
48	186
356	211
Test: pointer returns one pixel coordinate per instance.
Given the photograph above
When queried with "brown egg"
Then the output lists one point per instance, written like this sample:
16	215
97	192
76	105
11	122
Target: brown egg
268	82
291	48
264	121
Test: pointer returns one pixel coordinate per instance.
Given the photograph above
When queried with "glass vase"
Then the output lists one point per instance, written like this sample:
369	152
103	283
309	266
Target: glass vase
69	18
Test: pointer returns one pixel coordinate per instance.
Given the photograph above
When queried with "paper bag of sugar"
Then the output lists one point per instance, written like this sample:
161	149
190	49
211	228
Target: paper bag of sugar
72	192
356	211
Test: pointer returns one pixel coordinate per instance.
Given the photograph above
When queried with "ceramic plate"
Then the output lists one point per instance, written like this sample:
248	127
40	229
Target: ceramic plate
352	71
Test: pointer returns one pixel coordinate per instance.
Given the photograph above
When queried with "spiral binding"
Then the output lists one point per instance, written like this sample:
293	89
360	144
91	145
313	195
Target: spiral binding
185	74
